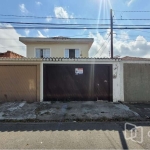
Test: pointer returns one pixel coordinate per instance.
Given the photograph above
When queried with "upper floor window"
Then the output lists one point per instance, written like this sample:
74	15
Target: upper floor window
72	53
42	53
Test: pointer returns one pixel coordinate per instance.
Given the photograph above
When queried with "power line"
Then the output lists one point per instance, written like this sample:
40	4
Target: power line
72	28
33	23
133	19
29	25
138	11
105	47
133	28
103	44
51	17
46	27
132	25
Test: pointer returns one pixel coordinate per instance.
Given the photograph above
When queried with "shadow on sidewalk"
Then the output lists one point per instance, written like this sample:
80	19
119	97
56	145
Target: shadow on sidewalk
60	126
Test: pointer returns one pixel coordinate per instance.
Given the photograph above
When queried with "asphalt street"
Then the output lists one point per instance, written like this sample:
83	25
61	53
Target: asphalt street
73	135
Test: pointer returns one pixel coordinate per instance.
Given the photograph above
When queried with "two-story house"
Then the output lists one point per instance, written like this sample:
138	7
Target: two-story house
67	74
57	47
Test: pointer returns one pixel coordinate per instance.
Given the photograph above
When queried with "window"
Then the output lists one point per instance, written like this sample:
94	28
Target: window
72	53
42	53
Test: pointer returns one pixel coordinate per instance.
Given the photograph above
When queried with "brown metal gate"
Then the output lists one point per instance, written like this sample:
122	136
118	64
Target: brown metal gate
77	82
18	82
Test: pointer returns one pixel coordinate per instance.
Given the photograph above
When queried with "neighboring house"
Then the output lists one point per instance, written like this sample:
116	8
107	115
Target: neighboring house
57	47
10	54
134	58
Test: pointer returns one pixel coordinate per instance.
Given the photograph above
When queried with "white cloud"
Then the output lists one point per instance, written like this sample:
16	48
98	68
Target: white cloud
130	2
123	35
60	12
100	47
9	40
27	31
23	8
40	34
139	47
48	18
38	3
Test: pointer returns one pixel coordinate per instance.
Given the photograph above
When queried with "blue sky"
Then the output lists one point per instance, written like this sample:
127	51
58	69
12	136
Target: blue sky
126	42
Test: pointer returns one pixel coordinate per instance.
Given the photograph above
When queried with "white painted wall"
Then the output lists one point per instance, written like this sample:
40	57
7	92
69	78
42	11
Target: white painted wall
41	82
121	81
118	82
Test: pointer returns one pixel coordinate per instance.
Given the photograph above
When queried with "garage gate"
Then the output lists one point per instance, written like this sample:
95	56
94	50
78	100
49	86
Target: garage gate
77	82
19	82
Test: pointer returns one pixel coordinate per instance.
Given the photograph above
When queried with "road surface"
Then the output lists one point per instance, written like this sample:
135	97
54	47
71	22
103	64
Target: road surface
73	135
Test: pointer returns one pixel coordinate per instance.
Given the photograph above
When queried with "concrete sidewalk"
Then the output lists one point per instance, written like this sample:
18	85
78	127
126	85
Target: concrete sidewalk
72	135
68	111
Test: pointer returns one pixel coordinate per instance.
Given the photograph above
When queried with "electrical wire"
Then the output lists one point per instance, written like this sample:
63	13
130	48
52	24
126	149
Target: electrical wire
72	28
51	17
132	11
103	44
55	24
33	23
105	47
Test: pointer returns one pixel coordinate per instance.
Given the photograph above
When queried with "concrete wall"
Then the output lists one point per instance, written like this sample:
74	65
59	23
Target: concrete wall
19	82
136	82
57	50
118	82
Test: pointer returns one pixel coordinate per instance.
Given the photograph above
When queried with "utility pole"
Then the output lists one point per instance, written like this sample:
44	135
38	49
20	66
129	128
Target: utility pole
111	32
